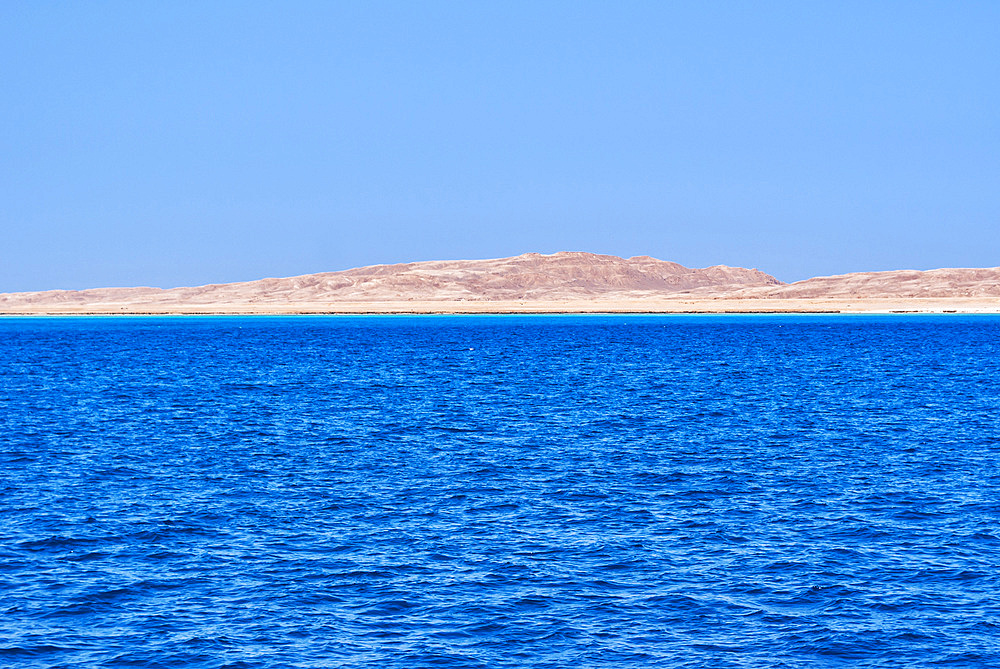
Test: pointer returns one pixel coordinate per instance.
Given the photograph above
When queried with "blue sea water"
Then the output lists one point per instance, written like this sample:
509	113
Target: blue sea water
500	491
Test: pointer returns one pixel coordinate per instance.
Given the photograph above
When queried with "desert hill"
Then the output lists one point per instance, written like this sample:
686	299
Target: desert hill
532	276
935	283
568	281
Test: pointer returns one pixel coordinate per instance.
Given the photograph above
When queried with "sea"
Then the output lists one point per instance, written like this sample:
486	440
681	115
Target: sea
500	491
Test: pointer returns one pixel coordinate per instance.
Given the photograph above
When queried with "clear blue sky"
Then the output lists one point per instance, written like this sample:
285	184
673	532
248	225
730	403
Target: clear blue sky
182	143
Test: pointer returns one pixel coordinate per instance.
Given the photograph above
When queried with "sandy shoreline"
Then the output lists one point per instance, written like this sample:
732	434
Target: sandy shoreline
654	306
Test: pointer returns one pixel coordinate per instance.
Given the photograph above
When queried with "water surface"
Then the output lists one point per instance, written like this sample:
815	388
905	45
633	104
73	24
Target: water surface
500	491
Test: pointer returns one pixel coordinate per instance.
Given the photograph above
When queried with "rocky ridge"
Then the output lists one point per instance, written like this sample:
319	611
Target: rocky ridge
575	280
935	283
530	277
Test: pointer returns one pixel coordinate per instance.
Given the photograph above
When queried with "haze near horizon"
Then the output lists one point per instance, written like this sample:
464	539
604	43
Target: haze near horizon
186	144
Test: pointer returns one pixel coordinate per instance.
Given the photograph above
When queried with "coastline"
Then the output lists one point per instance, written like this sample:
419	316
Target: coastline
972	305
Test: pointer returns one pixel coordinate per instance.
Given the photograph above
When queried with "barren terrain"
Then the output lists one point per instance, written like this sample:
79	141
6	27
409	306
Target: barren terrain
535	283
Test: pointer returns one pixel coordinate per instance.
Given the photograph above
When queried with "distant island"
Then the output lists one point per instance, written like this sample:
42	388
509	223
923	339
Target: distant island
566	282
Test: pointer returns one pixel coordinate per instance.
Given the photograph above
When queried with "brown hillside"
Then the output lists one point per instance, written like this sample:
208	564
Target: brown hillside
935	283
532	276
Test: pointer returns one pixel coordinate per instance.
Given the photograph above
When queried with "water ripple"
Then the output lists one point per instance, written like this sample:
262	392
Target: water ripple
500	492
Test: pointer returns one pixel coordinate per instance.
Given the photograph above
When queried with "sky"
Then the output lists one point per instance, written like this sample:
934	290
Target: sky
185	143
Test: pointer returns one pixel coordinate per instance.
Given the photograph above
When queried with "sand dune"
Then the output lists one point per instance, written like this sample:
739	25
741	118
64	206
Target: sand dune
568	281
